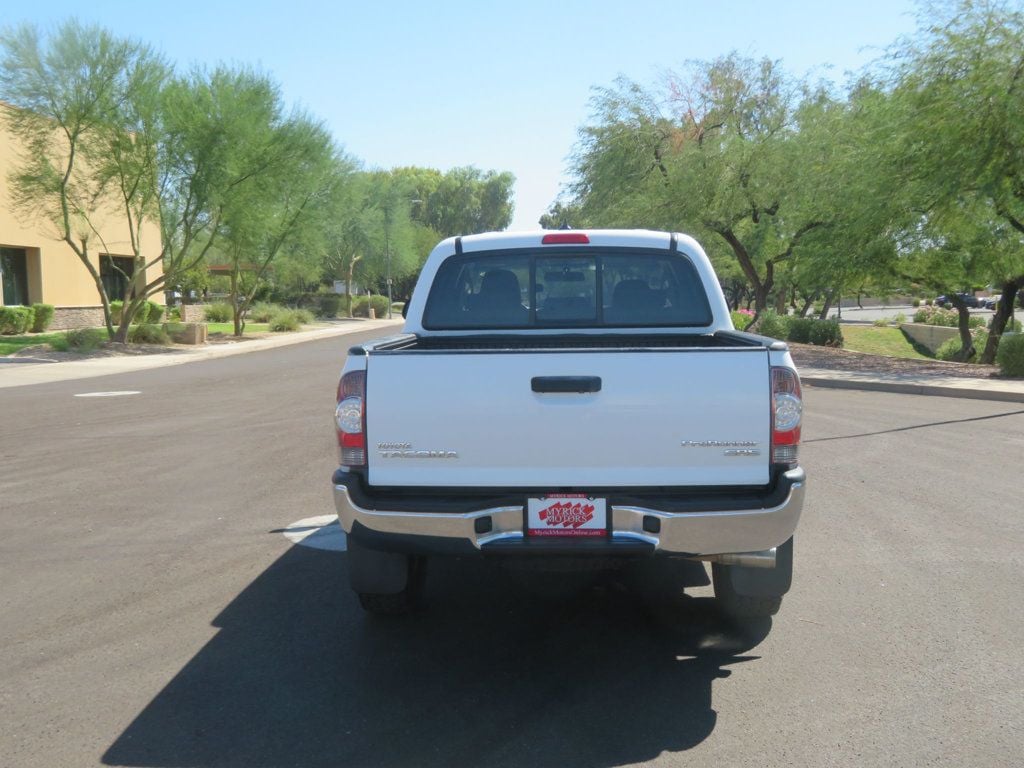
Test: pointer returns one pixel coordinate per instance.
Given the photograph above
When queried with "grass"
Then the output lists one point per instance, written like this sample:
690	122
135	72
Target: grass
11	344
229	328
880	341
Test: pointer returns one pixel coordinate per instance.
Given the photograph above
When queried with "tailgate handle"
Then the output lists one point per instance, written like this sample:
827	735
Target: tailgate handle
566	383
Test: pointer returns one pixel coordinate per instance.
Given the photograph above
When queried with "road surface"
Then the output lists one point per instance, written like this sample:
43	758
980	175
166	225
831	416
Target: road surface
152	614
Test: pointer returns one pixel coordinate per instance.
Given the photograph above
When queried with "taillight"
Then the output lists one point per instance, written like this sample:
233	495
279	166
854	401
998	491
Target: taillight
565	238
350	418
787	411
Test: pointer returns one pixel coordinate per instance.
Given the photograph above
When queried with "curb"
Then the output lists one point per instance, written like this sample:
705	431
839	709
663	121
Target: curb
931	390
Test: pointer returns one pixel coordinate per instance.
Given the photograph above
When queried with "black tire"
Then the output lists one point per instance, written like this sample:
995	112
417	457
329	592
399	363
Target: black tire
386	605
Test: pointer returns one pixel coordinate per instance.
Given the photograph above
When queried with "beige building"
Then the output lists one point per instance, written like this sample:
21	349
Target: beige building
37	266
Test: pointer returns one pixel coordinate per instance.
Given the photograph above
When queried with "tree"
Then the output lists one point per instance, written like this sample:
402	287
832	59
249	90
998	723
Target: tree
467	200
285	213
721	149
85	110
962	83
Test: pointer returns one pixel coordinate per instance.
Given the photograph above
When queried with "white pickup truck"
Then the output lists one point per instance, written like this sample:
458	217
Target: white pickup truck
575	395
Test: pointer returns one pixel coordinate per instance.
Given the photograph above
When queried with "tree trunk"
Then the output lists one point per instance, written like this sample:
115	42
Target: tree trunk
964	326
1004	311
236	315
827	305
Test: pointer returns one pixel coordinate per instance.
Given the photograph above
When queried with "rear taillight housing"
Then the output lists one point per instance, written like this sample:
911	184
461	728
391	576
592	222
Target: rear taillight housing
350	419
787	413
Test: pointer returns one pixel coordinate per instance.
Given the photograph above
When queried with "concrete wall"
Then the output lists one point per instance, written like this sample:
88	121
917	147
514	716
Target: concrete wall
930	336
55	273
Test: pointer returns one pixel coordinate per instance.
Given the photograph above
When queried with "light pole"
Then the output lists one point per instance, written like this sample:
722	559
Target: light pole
387	255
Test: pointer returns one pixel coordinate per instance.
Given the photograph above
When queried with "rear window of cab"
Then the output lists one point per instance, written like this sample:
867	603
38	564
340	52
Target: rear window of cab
566	288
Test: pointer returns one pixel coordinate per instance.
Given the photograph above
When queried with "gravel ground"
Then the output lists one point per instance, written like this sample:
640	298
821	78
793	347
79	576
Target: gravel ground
806	355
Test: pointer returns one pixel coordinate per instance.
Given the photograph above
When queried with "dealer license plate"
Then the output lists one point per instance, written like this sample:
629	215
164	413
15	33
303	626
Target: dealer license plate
566	514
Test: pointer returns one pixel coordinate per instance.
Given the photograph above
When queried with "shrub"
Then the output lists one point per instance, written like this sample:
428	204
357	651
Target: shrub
882	322
43	317
799	329
927	302
115	311
1010	356
148	333
304	316
900	319
361	305
80	340
328	304
156	312
218	313
950	349
772	324
285	320
16	319
740	320
826	333
262	311
916	303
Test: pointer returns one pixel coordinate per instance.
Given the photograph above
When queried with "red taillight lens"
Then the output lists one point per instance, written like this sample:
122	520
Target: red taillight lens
565	238
787	414
350	418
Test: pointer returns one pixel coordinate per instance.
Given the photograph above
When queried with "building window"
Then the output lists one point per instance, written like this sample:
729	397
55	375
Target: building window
15	276
116	272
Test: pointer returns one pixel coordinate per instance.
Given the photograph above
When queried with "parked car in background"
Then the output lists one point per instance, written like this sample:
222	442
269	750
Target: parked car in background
969	299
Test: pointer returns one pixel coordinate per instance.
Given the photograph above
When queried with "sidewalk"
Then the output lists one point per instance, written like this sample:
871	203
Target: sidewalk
19	373
1006	390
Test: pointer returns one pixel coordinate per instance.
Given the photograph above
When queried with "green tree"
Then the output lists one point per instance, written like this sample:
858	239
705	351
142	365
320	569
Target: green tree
85	111
721	148
961	81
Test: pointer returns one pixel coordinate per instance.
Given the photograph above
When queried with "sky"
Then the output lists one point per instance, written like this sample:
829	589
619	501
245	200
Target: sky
497	86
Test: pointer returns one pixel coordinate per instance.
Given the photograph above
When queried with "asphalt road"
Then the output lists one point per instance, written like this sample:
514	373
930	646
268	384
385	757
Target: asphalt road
151	614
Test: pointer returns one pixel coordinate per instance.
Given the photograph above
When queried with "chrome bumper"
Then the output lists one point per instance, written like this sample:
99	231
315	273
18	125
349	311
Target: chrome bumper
691	533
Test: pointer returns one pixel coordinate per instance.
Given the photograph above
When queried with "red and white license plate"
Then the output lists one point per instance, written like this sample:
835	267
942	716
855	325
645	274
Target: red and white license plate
566	514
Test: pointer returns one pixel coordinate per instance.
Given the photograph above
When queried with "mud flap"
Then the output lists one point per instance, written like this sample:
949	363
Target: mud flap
377	573
764	582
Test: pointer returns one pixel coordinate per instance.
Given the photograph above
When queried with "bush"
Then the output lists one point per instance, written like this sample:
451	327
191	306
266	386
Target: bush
361	305
328	304
950	349
156	312
799	329
43	317
927	302
304	316
16	319
1010	356
740	320
262	311
80	340
115	311
882	322
772	324
285	320
148	333
916	303
826	333
218	313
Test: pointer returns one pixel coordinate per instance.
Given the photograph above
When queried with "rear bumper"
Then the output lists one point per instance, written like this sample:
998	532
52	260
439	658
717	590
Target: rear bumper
635	529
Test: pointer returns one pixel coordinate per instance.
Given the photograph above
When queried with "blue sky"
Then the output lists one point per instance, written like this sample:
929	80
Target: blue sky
503	86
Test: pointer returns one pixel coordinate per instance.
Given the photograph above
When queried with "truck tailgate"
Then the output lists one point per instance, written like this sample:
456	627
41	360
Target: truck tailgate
697	417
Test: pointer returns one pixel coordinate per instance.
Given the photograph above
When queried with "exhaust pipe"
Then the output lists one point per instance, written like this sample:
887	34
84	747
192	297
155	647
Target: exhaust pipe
763	559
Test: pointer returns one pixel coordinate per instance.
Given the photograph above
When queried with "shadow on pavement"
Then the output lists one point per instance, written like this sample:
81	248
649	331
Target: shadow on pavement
498	668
